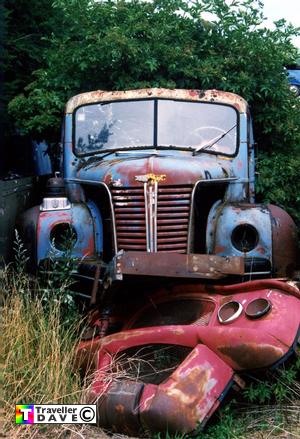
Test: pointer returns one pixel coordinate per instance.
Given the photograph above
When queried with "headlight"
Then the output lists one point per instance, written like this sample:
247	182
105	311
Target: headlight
230	311
63	236
244	238
258	308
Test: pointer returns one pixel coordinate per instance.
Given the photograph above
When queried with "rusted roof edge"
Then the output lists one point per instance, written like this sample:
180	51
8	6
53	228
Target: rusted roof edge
222	97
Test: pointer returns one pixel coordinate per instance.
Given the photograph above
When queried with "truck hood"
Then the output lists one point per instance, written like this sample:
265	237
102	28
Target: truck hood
169	169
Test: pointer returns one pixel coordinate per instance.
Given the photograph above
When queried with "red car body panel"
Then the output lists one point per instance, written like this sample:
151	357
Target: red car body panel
193	390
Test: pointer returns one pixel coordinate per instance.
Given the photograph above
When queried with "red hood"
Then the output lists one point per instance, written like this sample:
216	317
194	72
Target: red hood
175	169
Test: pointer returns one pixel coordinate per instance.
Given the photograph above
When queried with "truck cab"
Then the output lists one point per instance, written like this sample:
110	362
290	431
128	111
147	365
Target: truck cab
159	182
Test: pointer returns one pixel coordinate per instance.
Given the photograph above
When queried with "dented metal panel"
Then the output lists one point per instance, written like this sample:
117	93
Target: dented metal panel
224	218
178	404
191	391
284	237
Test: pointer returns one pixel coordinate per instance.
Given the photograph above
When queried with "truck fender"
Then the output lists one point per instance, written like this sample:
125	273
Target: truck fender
256	231
44	232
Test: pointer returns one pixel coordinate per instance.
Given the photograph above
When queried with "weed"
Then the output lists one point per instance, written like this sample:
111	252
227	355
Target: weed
20	252
227	427
55	278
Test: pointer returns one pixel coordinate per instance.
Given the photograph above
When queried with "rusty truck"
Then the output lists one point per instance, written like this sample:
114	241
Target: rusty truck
189	277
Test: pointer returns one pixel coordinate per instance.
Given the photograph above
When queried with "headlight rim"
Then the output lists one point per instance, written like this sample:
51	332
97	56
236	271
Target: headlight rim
234	316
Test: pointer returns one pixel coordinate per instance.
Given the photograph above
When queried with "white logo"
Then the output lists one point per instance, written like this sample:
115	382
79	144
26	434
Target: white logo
61	413
25	413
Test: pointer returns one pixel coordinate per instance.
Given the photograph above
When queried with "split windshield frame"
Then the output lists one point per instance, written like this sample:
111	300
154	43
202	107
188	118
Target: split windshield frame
154	146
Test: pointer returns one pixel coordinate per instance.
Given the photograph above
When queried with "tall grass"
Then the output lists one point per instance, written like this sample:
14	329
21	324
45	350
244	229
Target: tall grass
36	352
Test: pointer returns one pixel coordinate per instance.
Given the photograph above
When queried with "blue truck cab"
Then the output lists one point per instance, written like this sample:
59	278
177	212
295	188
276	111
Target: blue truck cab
159	182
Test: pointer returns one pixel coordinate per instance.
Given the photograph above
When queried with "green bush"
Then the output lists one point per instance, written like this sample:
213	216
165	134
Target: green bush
117	44
279	180
124	45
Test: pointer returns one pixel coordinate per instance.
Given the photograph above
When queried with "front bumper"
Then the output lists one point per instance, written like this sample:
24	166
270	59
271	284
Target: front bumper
176	265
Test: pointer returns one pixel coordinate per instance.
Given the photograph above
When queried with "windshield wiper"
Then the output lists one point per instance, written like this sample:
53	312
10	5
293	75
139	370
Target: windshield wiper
212	142
92	160
96	158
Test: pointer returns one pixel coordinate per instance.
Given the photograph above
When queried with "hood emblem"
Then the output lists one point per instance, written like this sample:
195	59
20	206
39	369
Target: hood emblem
117	182
150	178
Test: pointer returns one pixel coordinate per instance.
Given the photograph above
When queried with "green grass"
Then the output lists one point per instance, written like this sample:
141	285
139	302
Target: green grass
36	352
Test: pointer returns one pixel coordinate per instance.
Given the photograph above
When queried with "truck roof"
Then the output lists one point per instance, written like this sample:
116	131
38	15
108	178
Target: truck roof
221	97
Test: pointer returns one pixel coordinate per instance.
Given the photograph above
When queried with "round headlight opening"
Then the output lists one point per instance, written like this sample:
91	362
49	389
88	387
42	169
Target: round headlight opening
244	237
63	237
229	312
258	308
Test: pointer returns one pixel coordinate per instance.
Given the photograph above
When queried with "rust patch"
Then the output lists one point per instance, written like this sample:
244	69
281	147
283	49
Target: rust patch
173	414
152	178
178	404
190	386
225	299
178	331
124	335
192	95
261	250
252	356
120	408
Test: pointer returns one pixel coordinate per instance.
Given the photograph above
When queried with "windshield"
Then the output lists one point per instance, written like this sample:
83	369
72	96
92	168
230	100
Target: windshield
155	123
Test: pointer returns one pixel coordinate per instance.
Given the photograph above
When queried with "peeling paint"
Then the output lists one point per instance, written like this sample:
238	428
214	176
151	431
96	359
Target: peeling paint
193	95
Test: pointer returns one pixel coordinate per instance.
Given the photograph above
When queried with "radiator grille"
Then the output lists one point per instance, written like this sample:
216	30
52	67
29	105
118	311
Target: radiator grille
173	212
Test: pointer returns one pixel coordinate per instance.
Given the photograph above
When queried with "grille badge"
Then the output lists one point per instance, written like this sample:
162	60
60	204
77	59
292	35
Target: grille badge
150	178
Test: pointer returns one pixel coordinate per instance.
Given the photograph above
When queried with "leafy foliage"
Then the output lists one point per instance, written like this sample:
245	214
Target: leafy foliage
278	180
282	386
228	427
123	45
25	29
84	45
